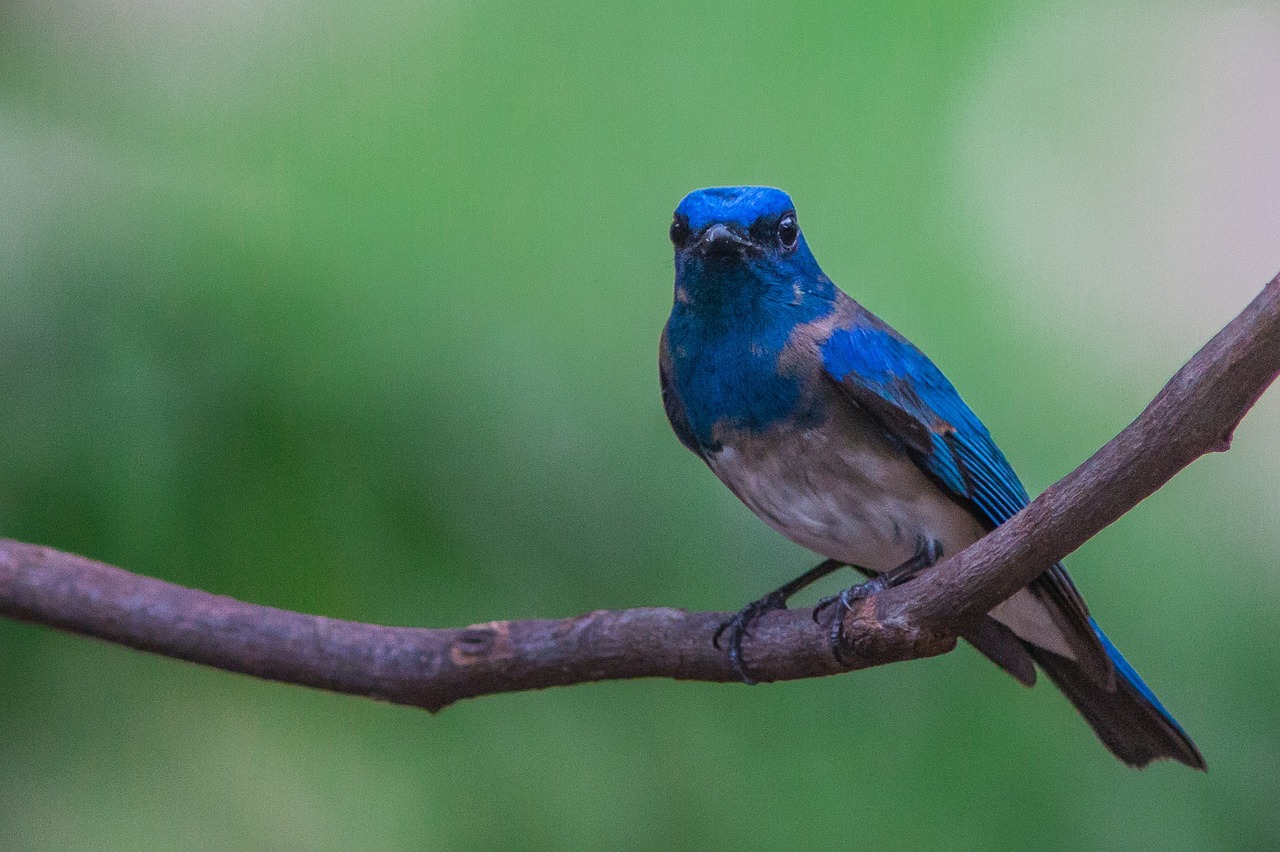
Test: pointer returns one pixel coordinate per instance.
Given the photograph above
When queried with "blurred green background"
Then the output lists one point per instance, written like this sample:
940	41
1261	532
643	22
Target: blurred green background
353	309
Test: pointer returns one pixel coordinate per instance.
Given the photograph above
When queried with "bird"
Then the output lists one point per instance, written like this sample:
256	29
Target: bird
841	435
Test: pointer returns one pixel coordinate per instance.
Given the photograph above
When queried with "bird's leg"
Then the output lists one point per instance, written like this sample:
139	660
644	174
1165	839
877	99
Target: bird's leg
740	625
928	553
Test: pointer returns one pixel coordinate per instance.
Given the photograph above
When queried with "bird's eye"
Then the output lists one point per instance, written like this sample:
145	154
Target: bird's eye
788	231
679	231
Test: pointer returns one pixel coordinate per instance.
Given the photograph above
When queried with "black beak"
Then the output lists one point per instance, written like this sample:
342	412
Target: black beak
721	239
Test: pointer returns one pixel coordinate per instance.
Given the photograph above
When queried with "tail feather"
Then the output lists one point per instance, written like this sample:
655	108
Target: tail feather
1002	646
1129	720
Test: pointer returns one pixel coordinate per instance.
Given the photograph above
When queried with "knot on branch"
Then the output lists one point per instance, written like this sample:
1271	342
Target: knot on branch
870	637
481	643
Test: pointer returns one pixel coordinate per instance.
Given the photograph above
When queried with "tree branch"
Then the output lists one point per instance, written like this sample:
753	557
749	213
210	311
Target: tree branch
1195	413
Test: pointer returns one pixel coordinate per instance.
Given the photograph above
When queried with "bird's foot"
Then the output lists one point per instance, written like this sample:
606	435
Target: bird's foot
738	627
927	553
843	603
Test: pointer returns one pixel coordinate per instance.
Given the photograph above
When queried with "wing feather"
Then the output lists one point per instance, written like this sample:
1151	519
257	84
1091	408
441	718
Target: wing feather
920	409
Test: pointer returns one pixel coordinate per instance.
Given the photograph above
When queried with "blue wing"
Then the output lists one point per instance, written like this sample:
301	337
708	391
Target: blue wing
920	409
909	395
898	386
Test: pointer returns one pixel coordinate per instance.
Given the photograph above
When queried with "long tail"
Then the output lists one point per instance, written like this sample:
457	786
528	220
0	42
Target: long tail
1129	719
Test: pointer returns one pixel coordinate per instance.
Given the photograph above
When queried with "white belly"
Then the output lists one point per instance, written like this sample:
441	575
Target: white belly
844	496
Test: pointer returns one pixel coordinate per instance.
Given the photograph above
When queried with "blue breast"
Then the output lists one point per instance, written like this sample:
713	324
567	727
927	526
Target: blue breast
726	370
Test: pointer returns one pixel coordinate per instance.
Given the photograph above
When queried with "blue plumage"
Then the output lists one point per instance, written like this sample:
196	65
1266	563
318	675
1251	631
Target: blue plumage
736	205
731	323
730	365
843	436
959	450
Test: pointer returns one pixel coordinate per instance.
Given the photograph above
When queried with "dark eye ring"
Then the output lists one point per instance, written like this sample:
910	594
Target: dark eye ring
788	231
679	231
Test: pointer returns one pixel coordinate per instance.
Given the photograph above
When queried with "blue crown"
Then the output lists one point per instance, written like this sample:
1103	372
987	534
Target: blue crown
737	205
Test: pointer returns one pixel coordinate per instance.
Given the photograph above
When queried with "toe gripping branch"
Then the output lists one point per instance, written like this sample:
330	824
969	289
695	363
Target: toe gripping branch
927	554
739	626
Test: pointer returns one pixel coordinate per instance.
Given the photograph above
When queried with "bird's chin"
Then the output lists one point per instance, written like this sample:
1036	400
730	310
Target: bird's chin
718	256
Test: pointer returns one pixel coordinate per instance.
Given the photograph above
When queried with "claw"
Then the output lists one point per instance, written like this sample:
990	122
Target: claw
845	600
822	606
837	629
739	626
715	637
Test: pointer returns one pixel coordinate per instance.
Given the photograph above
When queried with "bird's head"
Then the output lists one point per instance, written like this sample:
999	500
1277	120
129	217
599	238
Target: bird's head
736	244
